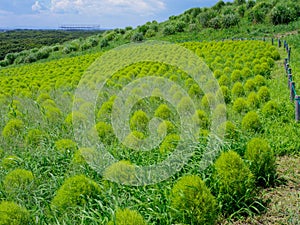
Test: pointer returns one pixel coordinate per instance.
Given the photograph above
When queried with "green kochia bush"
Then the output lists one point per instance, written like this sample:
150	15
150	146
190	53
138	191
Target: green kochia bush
193	201
169	144
13	214
163	112
237	90
120	172
234	182
127	217
18	180
75	191
139	121
251	122
271	108
65	146
262	161
264	94
240	105
12	128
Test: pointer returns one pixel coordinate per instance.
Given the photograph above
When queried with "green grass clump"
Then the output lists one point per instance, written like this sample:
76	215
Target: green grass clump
262	161
105	132
35	137
139	121
169	143
120	172
264	94
237	90
240	105
193	201
66	146
10	162
163	112
13	214
18	180
75	191
13	128
251	122
234	181
271	108
127	217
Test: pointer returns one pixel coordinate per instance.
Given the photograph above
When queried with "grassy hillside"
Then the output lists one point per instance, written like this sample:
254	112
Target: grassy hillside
190	132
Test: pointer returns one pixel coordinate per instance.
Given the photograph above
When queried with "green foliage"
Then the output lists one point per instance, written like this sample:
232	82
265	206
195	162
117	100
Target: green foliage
250	85
133	140
169	143
127	217
264	94
229	130
251	122
271	108
193	201
18	180
166	126
75	191
240	105
137	37
225	93
105	132
13	128
262	161
169	30
237	90
10	161
139	121
163	112
253	100
35	137
283	13
66	146
13	214
201	119
234	182
259	80
120	172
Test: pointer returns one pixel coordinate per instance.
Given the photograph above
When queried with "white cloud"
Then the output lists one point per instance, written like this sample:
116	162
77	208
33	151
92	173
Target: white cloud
108	7
36	6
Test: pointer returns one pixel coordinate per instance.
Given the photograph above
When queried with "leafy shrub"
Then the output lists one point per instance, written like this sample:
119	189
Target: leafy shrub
104	43
75	191
13	214
283	13
195	91
250	85
133	140
271	108
104	113
229	130
18	180
137	37
234	181
237	90
236	75
166	126
120	172
35	137
10	161
193	201
179	26
66	146
169	144
230	20
240	105
262	161
75	116
163	112
139	121
13	128
201	119
259	80
225	93
105	132
127	217
264	94
253	100
52	114
208	100
224	81
169	30
251	122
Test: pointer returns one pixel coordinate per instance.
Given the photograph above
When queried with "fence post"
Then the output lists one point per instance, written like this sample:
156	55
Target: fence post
279	43
272	41
292	91
285	64
297	108
289	53
290	79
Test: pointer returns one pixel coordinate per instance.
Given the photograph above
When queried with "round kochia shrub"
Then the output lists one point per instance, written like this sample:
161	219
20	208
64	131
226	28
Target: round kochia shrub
237	90
65	146
169	144
234	181
264	94
225	93
35	137
75	191
105	132
271	108
251	122
120	172
261	160
13	214
201	119
13	128
252	100
193	202
127	217
18	180
163	112
240	105
139	121
9	162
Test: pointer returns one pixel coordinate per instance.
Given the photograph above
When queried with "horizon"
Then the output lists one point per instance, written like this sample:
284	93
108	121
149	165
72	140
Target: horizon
50	15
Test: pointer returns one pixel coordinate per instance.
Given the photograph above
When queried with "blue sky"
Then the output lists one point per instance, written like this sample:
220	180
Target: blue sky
106	13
